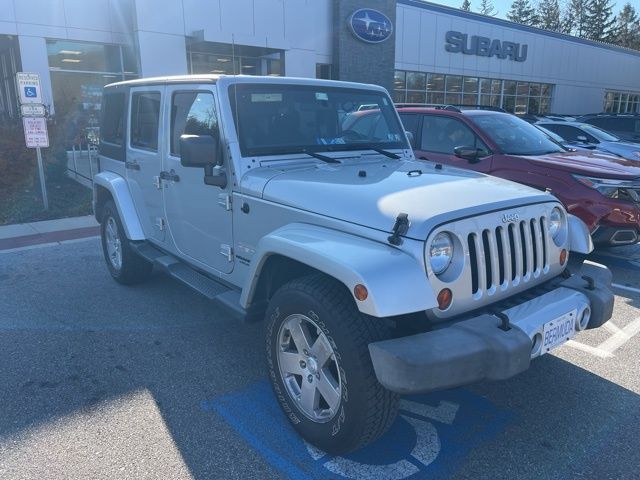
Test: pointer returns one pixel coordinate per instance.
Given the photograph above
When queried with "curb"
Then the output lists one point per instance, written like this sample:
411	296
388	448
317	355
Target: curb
49	237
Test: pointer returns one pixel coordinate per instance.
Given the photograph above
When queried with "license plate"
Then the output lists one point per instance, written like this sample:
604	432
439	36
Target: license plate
558	331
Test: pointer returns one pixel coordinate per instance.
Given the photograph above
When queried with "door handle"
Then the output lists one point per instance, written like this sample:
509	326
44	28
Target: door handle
171	176
131	165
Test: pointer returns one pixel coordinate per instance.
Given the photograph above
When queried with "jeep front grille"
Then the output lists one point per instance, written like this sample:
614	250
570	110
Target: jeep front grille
507	254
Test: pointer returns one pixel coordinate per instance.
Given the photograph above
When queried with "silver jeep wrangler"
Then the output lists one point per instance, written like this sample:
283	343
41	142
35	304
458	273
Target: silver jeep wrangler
374	274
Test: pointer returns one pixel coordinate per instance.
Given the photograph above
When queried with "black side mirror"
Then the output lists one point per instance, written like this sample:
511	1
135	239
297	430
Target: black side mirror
472	154
198	150
201	151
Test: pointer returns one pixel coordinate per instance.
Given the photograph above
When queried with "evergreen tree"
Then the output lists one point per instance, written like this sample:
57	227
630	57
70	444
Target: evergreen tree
523	12
466	5
549	14
627	28
575	18
599	20
487	8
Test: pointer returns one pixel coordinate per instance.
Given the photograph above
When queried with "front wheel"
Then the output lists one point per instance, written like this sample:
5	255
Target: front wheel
124	265
320	368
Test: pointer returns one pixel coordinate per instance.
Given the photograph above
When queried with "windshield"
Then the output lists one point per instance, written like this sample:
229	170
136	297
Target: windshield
279	119
600	134
515	136
553	135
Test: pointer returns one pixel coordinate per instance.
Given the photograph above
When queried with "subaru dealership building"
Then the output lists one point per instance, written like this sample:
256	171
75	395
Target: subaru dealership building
420	51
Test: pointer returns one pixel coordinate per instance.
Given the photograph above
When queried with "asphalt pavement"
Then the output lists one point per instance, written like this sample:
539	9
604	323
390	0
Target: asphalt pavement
98	380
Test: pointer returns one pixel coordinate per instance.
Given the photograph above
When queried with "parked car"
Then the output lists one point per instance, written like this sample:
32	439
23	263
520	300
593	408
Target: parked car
590	136
558	139
625	126
374	274
604	191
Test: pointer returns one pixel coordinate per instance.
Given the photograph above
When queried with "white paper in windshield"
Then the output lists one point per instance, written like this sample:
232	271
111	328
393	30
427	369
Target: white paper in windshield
266	97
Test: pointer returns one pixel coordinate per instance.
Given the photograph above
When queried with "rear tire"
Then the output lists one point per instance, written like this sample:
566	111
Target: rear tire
124	265
320	368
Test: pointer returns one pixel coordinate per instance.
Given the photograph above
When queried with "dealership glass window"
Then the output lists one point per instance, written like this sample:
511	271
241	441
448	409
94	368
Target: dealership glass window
513	96
78	72
416	81
621	102
436	82
323	70
222	58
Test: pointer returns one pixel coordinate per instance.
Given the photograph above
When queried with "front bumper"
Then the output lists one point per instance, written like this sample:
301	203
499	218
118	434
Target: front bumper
477	349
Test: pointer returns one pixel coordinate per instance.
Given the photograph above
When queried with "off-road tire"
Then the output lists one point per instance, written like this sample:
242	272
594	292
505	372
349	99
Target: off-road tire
134	269
366	409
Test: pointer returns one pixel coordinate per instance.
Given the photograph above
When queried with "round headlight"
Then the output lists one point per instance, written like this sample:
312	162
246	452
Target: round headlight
440	252
556	220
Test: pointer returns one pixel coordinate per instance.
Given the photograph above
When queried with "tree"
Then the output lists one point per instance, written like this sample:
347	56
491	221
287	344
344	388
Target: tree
575	17
523	12
599	20
466	5
549	15
627	28
487	8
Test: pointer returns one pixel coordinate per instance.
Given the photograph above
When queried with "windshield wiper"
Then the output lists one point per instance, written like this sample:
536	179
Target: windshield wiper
386	153
324	158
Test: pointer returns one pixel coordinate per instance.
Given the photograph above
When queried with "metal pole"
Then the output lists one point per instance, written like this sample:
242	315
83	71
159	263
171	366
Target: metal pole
90	162
43	186
75	165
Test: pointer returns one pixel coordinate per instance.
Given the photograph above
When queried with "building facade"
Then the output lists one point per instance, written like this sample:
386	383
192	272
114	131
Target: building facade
420	51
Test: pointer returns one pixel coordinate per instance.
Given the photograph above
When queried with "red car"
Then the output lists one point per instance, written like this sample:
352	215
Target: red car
602	190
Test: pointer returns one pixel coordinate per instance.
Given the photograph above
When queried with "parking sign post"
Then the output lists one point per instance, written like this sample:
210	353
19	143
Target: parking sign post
33	121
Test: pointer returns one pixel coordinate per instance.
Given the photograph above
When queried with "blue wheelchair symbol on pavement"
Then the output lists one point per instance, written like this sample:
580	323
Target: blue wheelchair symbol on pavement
431	437
30	92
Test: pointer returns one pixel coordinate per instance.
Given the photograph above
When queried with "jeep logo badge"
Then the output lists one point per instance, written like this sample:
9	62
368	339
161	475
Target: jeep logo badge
510	217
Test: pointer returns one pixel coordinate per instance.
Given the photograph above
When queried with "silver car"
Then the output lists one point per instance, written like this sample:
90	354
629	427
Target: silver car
584	135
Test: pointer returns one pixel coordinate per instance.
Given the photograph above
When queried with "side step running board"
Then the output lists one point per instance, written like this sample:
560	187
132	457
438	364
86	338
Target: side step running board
210	288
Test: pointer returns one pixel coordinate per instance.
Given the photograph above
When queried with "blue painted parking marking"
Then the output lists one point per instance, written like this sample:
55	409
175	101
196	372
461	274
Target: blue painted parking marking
431	437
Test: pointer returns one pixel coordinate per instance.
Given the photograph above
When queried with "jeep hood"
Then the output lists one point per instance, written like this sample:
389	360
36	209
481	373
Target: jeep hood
373	194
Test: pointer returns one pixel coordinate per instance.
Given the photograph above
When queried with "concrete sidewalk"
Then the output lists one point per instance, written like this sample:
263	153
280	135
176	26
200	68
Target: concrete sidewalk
48	231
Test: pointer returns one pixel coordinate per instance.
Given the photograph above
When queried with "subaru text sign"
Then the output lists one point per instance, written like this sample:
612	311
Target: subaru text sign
370	26
458	42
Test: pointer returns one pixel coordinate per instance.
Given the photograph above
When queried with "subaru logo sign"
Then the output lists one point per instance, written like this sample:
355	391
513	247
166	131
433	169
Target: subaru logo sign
370	26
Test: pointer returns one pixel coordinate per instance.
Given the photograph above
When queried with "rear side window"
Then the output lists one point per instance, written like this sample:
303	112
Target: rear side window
192	113
145	116
112	127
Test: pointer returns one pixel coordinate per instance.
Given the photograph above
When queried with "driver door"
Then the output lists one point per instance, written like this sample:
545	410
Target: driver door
198	215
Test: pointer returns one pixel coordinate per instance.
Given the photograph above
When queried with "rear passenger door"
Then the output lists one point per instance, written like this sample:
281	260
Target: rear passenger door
143	159
440	135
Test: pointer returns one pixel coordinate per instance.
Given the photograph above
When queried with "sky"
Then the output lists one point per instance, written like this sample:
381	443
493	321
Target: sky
503	6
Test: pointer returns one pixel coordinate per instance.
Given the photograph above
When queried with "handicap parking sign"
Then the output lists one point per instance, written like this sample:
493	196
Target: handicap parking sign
30	92
431	437
29	87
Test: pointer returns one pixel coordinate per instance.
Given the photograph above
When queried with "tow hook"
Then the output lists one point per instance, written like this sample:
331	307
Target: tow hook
591	283
505	325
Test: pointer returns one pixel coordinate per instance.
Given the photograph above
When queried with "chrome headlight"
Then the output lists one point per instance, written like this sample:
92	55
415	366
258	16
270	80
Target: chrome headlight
557	225
441	252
